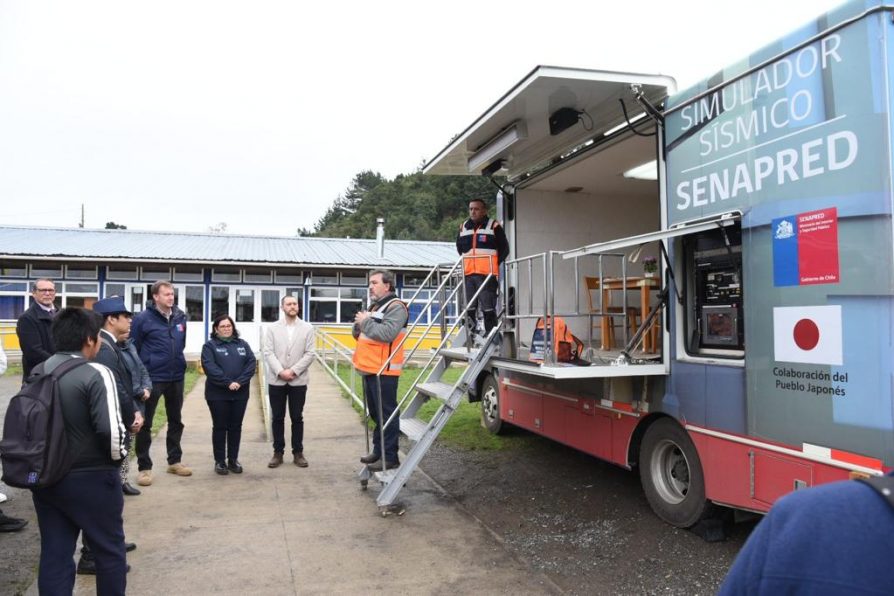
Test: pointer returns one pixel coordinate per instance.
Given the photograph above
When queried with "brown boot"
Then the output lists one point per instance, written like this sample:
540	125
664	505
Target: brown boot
275	461
300	461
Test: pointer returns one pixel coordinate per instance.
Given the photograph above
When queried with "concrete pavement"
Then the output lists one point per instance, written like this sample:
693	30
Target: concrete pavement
303	531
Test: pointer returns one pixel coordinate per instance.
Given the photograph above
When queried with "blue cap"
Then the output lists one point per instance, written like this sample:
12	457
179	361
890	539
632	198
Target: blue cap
113	305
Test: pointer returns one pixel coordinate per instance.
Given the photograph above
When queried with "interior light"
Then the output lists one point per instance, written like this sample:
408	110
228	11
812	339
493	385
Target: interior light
646	171
488	152
623	125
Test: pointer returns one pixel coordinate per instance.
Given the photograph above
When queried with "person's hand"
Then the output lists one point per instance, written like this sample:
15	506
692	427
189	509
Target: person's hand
286	374
234	386
146	394
137	422
361	316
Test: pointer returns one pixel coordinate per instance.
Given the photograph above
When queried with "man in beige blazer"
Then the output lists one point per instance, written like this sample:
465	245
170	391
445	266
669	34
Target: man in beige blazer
288	349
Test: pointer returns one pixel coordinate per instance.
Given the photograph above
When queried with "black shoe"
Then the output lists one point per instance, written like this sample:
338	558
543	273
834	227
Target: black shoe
87	566
377	467
11	524
235	467
130	546
370	458
221	468
130	489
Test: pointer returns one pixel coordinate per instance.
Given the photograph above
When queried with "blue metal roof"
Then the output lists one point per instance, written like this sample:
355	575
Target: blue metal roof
134	245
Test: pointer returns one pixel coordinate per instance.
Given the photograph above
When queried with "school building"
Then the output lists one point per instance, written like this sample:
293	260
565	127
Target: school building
243	276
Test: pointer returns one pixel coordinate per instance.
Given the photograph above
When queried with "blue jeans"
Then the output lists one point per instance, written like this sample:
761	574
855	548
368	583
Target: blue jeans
389	405
91	501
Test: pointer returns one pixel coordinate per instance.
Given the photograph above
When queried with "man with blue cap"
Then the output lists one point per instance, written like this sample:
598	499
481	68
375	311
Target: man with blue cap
116	326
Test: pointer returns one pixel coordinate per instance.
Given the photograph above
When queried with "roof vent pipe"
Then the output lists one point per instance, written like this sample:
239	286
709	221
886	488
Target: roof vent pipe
380	236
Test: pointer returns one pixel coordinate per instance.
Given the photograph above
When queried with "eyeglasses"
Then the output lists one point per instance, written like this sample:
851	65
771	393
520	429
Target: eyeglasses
46	290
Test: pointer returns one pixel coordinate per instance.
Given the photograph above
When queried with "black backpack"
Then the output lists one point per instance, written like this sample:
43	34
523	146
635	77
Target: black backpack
884	485
34	449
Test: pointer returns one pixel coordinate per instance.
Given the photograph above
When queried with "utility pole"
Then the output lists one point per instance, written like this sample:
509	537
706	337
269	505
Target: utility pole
81	225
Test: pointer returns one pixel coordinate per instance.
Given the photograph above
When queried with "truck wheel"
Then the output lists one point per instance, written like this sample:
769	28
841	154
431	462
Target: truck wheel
671	474
490	405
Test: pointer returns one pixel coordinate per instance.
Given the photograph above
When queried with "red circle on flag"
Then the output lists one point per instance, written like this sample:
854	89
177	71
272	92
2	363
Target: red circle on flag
806	334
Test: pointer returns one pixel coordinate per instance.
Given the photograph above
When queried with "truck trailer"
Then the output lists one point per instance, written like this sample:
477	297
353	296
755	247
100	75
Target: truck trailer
757	360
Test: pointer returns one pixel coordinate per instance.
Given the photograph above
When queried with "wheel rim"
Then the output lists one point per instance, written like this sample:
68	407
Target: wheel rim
670	471
489	404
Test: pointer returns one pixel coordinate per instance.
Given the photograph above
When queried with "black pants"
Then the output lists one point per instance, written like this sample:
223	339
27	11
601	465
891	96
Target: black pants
294	396
486	301
389	405
89	501
173	394
226	427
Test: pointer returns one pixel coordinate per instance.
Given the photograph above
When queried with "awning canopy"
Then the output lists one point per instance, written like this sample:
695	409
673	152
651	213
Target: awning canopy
548	113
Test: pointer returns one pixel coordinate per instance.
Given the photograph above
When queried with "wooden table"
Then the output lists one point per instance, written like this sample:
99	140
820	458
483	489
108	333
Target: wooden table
645	285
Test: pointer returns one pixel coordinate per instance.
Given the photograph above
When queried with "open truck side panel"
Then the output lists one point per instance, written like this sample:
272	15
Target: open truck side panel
773	368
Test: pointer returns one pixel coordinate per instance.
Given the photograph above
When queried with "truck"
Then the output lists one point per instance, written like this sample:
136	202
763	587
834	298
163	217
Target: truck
757	360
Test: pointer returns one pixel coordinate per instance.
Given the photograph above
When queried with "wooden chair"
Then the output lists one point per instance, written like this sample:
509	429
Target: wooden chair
609	318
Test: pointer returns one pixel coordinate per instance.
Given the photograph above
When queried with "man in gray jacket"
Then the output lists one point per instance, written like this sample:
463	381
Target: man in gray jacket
288	349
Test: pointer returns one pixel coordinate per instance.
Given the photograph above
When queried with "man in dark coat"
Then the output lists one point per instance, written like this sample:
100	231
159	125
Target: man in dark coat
159	334
33	327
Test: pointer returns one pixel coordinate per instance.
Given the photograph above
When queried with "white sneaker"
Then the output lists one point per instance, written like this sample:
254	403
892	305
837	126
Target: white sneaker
2	498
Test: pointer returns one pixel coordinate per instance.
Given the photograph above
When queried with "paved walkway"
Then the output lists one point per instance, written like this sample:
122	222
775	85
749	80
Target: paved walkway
303	531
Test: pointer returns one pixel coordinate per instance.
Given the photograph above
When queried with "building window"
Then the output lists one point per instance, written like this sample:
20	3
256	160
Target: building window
46	270
257	276
77	294
220	301
325	278
189	274
138	298
269	306
122	273
414	280
194	303
12	299
289	277
245	306
80	272
13	270
353	279
350	303
225	275
155	273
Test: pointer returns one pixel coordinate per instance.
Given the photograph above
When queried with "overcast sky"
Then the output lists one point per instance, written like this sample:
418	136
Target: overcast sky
178	115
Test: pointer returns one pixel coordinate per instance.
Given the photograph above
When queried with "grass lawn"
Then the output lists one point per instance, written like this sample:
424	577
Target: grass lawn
189	382
463	430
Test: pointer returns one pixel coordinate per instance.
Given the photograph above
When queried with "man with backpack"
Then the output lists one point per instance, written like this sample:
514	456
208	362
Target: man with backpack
88	497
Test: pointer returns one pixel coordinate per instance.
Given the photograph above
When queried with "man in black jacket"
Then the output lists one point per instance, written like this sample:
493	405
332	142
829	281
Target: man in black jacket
89	497
482	243
33	327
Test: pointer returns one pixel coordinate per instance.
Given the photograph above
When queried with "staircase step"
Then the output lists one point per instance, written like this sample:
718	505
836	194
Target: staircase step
413	428
460	353
436	389
386	476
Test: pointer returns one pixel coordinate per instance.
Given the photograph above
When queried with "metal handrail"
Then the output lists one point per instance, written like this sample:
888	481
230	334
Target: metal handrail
547	270
339	350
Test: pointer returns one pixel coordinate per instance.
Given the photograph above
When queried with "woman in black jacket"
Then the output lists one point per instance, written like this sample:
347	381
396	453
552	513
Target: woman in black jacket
229	365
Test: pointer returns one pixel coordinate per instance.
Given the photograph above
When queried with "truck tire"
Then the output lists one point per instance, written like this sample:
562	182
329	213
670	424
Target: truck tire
671	474
490	405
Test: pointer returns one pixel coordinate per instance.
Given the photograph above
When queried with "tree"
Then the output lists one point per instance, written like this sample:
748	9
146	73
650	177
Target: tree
110	225
415	207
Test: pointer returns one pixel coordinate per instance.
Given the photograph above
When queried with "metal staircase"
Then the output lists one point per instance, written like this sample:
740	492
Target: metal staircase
457	346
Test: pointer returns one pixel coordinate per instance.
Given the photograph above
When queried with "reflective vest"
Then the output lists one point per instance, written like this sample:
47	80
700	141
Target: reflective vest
482	257
370	355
